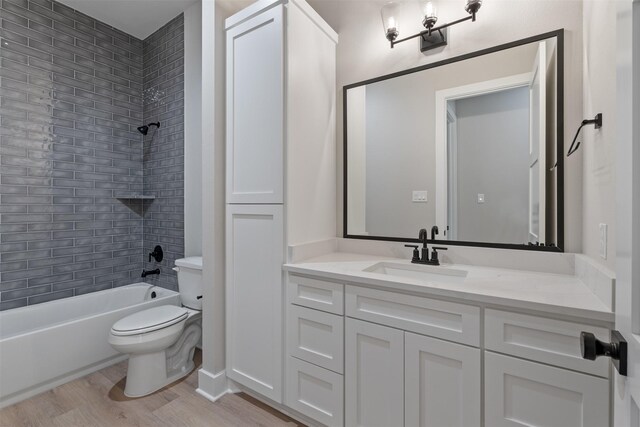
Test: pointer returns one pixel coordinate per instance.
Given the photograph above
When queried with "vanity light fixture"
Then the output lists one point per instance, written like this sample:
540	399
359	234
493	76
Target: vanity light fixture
432	37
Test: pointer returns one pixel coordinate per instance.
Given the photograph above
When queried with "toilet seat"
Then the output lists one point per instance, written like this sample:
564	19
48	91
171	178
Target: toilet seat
150	320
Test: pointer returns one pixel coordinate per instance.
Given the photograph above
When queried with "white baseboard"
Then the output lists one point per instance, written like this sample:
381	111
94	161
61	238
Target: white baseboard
212	386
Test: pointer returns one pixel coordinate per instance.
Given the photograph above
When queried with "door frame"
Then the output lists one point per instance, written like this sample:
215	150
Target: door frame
451	232
442	99
626	392
538	72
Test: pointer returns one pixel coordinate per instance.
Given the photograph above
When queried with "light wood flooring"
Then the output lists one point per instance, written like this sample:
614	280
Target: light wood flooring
98	400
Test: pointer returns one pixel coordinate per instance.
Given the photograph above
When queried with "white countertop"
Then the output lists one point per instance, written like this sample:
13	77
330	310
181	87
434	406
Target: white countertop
560	294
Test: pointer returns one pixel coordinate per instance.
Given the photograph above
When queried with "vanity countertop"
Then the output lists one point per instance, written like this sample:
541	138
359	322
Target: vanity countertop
560	294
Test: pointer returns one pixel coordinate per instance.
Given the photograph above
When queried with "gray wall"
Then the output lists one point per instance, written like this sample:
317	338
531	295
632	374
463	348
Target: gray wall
71	96
164	148
493	158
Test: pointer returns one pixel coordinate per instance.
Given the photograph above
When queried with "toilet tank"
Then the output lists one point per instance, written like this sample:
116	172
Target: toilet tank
190	281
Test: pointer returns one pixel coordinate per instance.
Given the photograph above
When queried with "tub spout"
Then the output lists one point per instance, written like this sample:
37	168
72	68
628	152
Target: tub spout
146	273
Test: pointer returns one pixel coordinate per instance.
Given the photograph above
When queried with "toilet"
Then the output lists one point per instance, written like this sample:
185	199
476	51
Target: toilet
161	341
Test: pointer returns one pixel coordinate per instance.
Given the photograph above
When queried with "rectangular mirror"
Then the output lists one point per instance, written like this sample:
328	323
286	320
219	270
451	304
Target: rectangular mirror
472	144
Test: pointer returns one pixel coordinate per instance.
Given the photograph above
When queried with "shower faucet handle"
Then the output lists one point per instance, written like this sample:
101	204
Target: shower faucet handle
157	254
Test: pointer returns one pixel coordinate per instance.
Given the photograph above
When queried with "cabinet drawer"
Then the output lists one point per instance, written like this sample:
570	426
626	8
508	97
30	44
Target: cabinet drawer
545	340
316	337
441	319
315	392
523	393
318	294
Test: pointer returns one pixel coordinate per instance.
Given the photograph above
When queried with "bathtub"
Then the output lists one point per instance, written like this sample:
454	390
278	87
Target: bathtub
48	344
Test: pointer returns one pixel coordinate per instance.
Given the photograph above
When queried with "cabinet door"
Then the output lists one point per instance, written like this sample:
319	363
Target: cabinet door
255	109
374	375
254	294
522	393
442	383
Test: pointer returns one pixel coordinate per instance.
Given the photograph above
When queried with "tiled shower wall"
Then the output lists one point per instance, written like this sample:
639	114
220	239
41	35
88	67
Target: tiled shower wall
71	96
163	151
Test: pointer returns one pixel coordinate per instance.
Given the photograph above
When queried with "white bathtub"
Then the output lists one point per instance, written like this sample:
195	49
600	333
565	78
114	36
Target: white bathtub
45	345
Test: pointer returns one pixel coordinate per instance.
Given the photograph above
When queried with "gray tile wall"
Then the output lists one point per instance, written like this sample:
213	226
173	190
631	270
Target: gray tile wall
71	96
163	152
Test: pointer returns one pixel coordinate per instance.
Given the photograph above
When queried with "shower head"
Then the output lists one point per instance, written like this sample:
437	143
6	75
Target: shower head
144	129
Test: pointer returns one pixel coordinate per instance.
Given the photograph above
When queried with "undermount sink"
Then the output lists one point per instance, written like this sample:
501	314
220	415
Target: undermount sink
425	273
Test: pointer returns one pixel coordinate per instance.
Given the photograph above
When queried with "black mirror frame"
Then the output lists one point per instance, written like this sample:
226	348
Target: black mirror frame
559	247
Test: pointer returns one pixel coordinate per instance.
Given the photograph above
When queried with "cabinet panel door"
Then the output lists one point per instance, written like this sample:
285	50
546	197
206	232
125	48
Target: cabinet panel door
374	375
442	383
254	296
522	393
255	109
315	392
316	337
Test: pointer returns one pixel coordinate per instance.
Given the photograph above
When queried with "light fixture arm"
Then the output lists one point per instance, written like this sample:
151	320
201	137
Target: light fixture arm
471	17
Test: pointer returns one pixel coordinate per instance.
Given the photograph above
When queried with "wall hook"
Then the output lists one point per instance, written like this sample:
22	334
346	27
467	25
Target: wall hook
597	122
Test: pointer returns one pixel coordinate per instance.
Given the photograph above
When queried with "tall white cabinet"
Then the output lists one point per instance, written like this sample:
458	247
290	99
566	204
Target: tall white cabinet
280	173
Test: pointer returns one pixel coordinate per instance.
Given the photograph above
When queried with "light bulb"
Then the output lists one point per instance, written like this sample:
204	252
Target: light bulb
430	12
389	13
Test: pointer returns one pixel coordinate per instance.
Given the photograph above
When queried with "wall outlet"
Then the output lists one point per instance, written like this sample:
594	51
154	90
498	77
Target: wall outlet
603	241
480	198
419	197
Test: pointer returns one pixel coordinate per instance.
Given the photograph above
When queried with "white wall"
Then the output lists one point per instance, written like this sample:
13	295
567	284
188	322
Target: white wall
357	172
311	138
193	130
211	378
598	146
364	53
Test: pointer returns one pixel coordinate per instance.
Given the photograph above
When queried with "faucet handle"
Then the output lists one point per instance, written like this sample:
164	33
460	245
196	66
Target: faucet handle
416	253
434	254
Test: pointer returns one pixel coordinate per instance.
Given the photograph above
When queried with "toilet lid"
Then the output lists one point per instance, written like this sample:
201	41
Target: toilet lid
149	320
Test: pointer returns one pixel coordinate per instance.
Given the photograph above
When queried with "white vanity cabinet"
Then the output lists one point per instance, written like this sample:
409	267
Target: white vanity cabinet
280	142
412	360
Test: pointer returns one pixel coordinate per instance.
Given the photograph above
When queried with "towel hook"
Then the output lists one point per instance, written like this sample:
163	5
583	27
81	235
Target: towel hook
597	122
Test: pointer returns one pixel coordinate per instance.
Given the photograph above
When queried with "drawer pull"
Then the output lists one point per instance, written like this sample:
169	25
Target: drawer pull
591	348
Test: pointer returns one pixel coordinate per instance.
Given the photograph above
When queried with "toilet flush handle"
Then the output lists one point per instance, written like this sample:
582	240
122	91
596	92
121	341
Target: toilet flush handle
176	269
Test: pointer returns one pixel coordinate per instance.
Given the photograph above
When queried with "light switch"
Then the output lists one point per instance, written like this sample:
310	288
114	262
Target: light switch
480	198
603	241
419	197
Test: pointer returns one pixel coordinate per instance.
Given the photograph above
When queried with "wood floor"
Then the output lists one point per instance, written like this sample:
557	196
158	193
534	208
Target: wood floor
98	400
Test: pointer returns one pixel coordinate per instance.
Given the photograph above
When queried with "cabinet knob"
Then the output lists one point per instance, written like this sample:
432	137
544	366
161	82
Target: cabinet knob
591	348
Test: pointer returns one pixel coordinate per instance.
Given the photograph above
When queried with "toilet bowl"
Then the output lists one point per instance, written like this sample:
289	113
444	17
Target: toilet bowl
161	341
